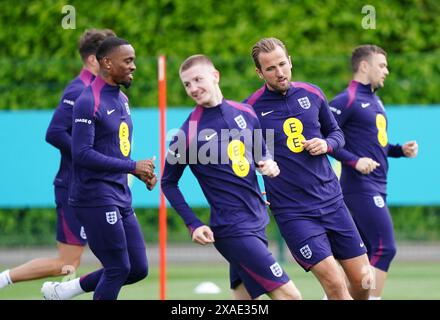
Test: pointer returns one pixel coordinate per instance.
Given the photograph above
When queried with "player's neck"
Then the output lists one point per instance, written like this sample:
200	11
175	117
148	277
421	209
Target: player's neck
107	78
217	99
90	68
362	78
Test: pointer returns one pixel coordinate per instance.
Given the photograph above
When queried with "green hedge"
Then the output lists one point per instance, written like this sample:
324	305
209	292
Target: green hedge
38	57
32	227
417	223
29	227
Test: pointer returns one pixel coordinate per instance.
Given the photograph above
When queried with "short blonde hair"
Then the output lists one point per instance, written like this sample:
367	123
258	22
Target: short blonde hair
194	60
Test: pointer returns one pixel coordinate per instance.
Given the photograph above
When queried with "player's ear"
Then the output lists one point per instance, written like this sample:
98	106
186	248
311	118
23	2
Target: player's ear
93	64
363	66
260	74
216	74
107	63
92	59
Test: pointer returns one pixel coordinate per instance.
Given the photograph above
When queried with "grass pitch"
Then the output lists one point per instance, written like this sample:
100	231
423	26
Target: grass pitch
407	281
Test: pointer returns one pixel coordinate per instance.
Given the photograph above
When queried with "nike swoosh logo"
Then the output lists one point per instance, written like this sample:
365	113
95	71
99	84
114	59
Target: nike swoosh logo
109	112
361	245
364	105
210	136
266	113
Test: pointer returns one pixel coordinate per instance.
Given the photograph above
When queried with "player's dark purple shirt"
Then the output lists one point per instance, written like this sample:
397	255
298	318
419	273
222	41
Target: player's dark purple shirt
101	146
306	183
59	132
361	116
232	191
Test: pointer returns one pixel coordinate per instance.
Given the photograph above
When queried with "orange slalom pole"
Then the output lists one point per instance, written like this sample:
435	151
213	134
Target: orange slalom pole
162	205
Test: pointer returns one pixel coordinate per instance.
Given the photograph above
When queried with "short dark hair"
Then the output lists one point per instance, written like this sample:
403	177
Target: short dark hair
108	45
90	41
193	60
364	52
266	45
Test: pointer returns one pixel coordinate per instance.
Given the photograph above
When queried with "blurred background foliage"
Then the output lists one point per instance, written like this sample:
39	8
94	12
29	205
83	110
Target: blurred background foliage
38	57
36	226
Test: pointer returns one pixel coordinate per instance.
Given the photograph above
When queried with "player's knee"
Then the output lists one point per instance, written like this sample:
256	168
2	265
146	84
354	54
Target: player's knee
121	271
137	273
293	294
360	278
361	284
335	287
332	278
290	292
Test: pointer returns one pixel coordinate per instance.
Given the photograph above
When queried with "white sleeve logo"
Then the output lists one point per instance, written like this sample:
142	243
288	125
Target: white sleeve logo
70	102
335	110
87	121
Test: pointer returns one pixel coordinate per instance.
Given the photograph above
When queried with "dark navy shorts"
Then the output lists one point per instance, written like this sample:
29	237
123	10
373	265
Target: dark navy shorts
69	229
373	220
314	236
111	228
251	263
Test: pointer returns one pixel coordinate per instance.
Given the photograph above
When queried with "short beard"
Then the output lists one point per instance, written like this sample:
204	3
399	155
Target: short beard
282	90
377	87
